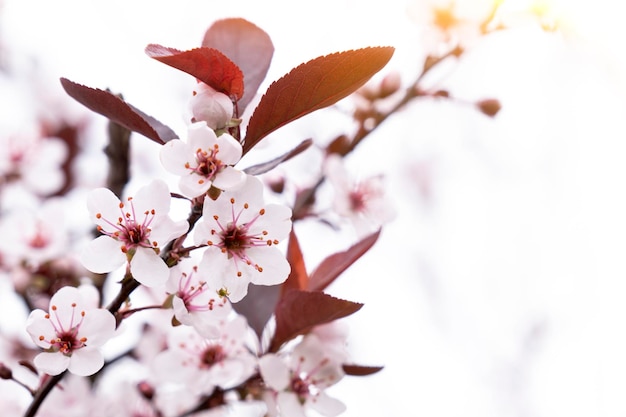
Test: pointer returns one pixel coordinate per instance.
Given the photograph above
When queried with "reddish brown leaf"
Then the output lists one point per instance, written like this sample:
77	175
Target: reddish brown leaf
269	165
119	111
298	311
206	64
248	46
330	268
298	277
312	86
258	305
358	370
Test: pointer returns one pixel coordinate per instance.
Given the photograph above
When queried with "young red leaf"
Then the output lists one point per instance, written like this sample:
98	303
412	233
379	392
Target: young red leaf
298	277
312	86
119	111
358	370
246	45
264	167
330	268
206	64
299	311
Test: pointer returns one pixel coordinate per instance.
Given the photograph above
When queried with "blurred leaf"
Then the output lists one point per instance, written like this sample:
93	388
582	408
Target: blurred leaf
206	64
358	370
119	111
258	305
248	46
312	86
299	311
298	277
331	267
269	165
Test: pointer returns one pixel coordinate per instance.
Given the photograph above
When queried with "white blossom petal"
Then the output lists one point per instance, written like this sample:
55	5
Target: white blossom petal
230	149
102	255
52	363
40	329
165	229
154	196
103	205
275	266
86	361
148	268
175	155
289	405
229	178
274	371
98	326
200	136
192	185
325	405
277	220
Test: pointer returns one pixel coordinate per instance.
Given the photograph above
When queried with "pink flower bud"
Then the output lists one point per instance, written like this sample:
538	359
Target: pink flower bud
212	107
5	372
490	106
390	84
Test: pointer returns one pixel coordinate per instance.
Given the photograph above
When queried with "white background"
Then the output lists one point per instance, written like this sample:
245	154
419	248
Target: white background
498	290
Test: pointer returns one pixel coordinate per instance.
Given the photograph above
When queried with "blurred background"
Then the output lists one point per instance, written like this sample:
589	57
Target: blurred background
498	289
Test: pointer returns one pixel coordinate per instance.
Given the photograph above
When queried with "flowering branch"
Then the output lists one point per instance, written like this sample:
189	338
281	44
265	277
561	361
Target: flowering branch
222	274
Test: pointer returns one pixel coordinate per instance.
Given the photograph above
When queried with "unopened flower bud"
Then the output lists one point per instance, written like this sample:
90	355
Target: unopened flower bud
5	372
212	107
146	390
489	106
390	84
368	92
277	185
340	145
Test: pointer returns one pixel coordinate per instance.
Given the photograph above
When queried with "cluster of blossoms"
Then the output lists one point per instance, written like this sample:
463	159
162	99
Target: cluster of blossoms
234	323
235	242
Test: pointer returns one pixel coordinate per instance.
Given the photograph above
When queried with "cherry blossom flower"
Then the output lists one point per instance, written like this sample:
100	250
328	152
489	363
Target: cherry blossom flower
298	381
195	303
212	107
33	161
133	232
34	237
203	363
203	161
363	202
449	22
126	398
334	336
70	334
241	233
76	399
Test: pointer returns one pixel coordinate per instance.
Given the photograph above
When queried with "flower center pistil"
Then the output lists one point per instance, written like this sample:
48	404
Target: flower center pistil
208	165
129	229
212	355
67	339
234	239
189	292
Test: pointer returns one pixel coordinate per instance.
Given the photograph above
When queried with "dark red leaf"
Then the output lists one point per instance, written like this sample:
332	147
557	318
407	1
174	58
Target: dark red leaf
330	268
358	370
248	46
312	86
298	277
258	305
206	64
269	165
298	311
119	111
